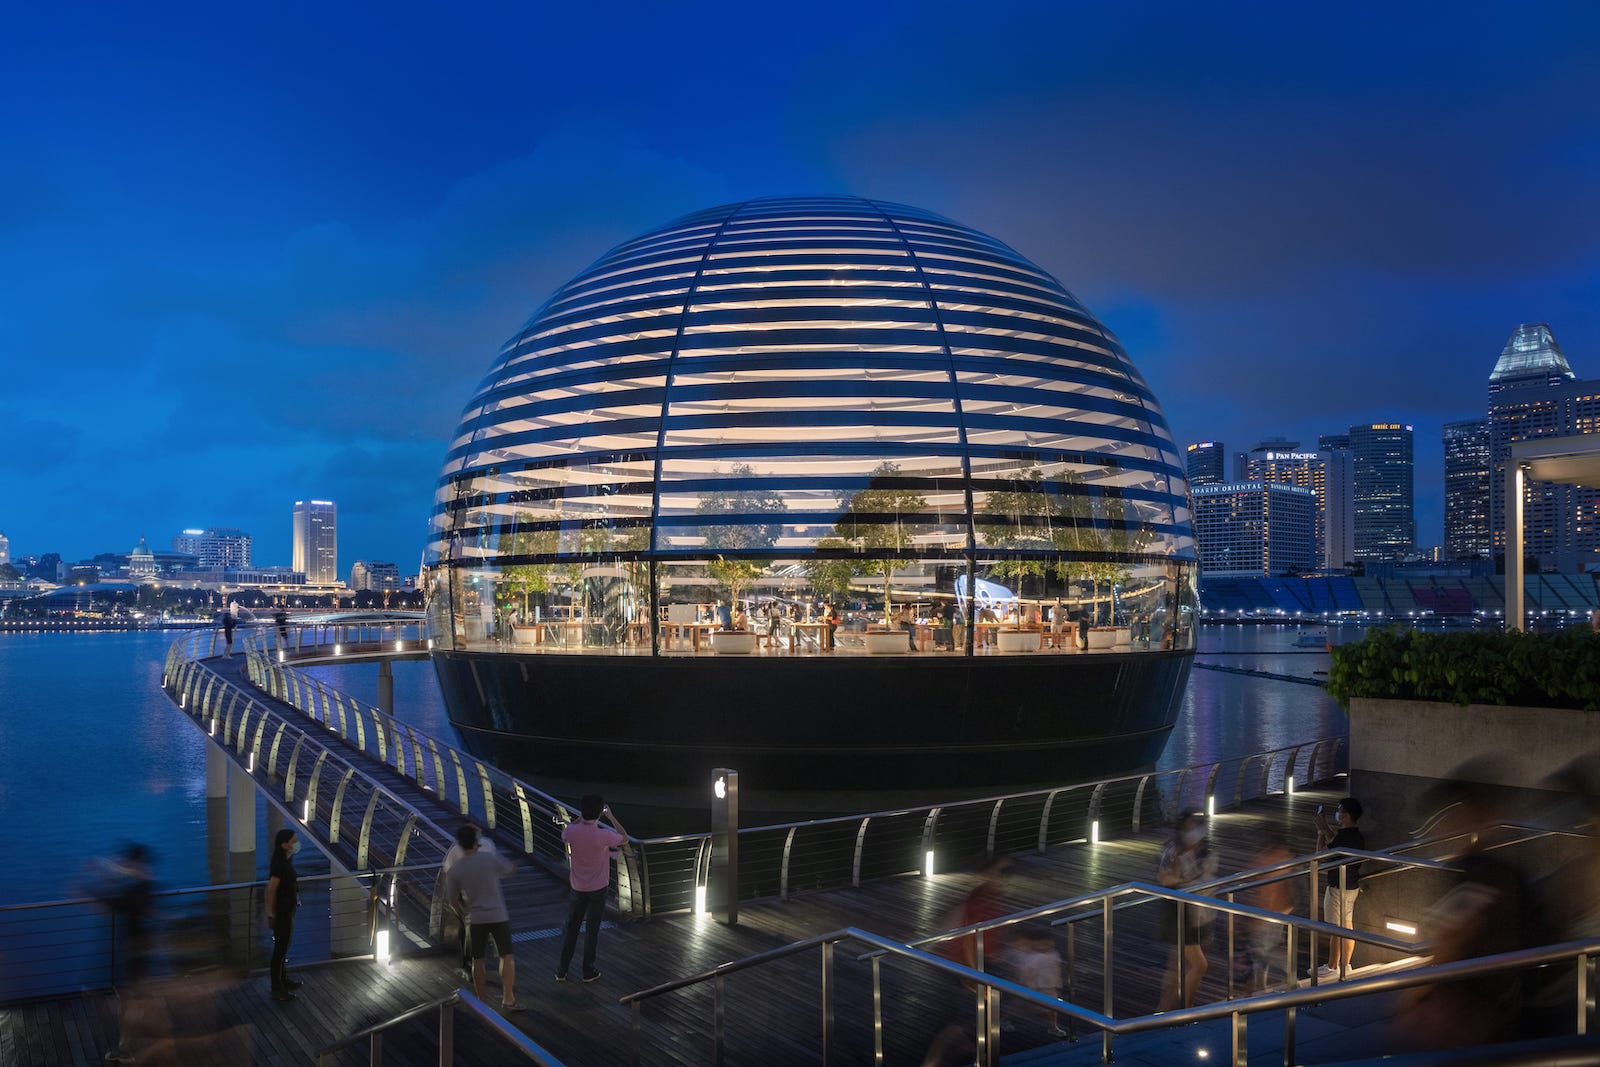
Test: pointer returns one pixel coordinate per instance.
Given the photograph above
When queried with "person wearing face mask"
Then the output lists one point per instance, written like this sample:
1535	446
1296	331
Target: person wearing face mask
1339	903
1185	861
283	896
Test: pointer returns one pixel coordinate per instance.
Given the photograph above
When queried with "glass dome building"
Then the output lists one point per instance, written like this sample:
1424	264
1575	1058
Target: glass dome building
872	453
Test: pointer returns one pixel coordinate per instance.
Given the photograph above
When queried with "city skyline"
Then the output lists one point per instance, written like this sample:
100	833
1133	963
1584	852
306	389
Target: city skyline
296	284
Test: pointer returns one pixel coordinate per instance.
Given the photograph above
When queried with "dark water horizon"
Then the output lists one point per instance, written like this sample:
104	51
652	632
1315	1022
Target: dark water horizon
94	755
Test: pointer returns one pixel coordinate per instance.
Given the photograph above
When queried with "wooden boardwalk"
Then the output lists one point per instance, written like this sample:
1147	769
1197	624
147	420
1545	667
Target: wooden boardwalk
773	1013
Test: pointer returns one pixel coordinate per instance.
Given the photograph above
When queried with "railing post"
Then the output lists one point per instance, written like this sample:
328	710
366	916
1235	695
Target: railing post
447	1034
1583	994
827	999
1289	1016
1241	1040
1314	914
994	825
1106	971
375	1057
716	1020
877	1011
633	1015
991	1022
1229	898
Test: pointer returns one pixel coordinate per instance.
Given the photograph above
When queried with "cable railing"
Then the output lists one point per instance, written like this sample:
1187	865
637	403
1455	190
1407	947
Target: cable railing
989	990
510	1038
663	875
62	947
356	817
833	853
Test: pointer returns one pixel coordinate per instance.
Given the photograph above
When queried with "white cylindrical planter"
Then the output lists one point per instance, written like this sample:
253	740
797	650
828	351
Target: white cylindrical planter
733	642
1101	637
887	642
1018	640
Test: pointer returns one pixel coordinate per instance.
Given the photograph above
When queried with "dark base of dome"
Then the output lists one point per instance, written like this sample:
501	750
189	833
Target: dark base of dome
811	736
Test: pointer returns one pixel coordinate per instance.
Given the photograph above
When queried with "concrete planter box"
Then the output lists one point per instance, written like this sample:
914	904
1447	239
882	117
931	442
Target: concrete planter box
1429	740
1018	640
1108	636
733	642
884	643
524	636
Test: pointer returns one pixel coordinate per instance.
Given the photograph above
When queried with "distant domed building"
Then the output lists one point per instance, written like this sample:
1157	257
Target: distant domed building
141	561
700	491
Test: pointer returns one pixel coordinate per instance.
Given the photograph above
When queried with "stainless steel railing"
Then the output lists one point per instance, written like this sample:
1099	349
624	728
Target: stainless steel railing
990	989
515	1040
351	812
661	875
61	947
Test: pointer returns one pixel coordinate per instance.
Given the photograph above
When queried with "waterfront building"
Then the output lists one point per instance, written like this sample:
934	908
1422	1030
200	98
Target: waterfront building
141	561
1255	528
214	548
1384	478
1466	489
1207	463
767	408
1331	441
5	548
316	541
1533	392
1326	473
375	576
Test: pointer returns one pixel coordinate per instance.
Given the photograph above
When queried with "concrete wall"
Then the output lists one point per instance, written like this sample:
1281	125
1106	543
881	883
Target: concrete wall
1424	739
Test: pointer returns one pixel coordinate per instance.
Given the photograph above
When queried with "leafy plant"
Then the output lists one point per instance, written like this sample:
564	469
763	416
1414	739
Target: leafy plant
1559	670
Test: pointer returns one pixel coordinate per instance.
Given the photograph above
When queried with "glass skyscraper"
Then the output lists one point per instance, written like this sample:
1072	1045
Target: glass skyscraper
316	541
1384	478
1466	489
1207	463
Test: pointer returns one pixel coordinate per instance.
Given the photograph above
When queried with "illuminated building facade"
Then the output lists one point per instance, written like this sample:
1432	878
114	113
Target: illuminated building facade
216	548
375	576
1384	479
1247	529
1207	463
1533	392
741	457
1466	489
1329	476
316	541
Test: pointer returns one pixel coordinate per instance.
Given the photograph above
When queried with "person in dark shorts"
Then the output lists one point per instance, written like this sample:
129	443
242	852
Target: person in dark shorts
475	879
1339	899
1184	861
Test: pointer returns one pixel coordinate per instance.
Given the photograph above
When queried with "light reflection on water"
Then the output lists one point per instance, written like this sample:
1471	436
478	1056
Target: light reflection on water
93	754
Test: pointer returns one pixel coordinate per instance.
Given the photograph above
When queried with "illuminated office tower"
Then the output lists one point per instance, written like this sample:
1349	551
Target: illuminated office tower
316	541
1254	528
1329	441
1207	463
217	548
1384	477
1326	473
1533	392
1466	489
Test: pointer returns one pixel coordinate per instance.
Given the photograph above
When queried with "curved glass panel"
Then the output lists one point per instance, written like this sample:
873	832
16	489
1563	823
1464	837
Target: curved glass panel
813	419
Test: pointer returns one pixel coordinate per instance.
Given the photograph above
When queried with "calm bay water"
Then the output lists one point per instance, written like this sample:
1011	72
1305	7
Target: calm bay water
93	754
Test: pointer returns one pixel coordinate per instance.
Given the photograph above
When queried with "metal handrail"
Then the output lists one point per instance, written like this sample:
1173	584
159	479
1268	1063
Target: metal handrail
195	890
519	1041
992	987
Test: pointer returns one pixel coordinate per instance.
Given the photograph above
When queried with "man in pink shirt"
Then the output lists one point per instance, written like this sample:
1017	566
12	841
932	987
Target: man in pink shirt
589	847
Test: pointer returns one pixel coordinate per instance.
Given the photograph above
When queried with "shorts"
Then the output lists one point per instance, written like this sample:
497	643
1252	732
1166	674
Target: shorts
1339	906
482	932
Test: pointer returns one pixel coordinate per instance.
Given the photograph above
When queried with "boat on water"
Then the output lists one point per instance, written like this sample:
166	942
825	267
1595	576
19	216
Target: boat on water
840	494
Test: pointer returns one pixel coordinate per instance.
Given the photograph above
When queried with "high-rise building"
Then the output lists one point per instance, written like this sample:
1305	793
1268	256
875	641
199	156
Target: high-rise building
1328	441
214	549
1337	507
1466	489
316	541
5	549
1384	478
1254	528
1533	392
1241	460
1207	463
375	576
1326	473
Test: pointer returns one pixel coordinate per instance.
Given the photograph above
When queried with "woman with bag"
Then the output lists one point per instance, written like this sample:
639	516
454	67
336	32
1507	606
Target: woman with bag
1184	861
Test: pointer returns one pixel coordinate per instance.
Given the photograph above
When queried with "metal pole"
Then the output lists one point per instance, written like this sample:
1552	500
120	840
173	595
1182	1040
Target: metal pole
716	1020
1314	917
375	1056
1183	967
447	1034
1231	917
1289	1016
1072	969
991	1014
1241	1040
877	1011
1583	994
827	999
1105	971
634	1014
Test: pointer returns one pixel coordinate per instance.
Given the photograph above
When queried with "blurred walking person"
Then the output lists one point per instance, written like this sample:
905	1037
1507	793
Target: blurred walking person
1185	861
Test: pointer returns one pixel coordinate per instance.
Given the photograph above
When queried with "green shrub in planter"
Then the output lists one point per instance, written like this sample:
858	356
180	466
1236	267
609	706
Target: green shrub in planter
1559	670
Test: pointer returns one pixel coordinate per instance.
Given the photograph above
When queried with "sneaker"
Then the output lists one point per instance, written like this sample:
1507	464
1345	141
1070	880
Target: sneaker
561	976
1325	972
592	976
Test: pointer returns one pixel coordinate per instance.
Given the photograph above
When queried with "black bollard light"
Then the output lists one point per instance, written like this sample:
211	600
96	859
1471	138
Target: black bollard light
723	879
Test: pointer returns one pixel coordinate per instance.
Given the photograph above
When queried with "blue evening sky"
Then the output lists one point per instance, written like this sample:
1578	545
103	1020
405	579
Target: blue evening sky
252	254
